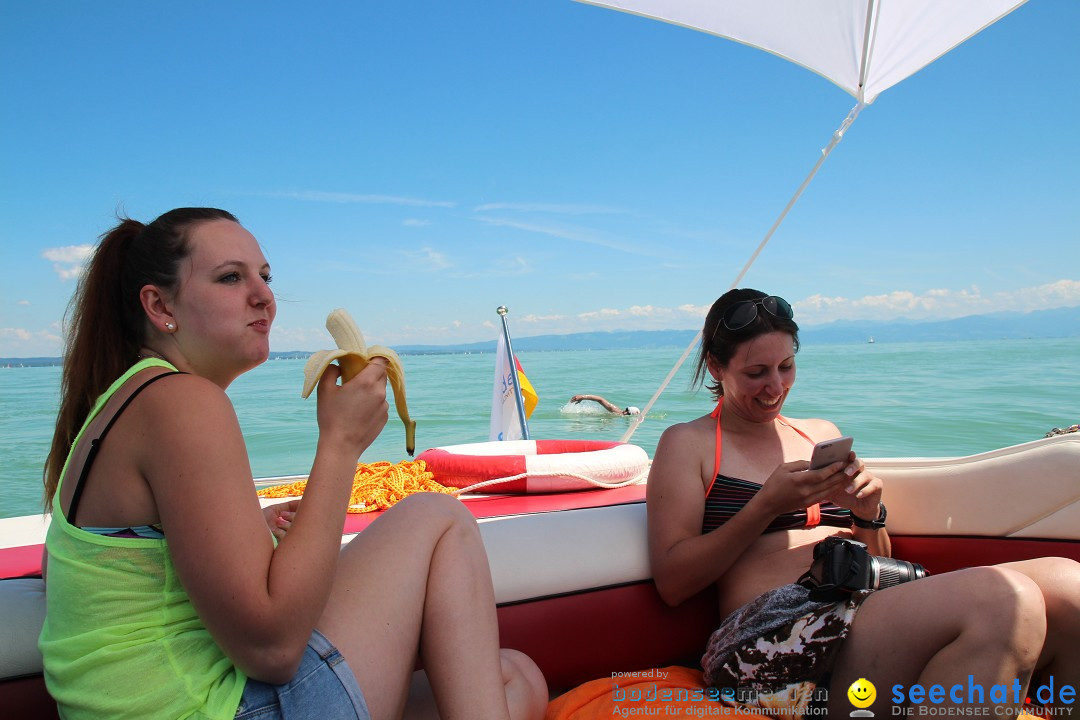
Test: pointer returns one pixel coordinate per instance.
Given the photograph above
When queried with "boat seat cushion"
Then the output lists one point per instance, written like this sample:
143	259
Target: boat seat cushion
22	606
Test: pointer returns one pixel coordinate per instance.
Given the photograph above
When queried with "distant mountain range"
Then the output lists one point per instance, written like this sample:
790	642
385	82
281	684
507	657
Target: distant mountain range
612	340
1059	322
1056	323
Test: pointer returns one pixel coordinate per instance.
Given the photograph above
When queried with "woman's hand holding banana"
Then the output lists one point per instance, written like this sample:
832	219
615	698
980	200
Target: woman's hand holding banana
353	355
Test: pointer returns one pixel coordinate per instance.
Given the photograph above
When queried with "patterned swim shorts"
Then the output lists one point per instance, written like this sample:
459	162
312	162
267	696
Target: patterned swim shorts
778	648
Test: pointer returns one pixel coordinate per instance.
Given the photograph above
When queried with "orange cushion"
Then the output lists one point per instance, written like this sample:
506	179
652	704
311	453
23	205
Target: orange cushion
668	691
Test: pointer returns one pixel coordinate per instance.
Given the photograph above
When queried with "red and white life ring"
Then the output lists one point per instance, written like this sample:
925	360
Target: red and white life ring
537	466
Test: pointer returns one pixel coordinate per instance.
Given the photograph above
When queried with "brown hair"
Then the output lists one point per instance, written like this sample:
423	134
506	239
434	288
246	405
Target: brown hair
721	343
105	321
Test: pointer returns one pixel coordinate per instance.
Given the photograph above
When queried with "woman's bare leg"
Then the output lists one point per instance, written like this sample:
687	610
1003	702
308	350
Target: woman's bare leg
526	689
988	623
1059	581
417	580
420	705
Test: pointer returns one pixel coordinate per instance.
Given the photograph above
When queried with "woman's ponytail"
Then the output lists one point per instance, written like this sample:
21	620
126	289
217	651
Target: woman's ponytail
106	325
97	349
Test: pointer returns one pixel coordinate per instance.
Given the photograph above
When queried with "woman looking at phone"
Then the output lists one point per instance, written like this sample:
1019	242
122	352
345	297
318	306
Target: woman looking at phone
732	502
166	594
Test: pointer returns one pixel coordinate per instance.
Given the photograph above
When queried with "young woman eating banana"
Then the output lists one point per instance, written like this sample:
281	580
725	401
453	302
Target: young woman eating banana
167	595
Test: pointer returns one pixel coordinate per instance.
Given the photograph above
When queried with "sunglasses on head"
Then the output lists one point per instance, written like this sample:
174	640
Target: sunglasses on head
744	312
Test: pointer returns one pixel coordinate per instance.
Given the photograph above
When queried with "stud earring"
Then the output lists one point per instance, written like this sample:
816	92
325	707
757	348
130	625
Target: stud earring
170	326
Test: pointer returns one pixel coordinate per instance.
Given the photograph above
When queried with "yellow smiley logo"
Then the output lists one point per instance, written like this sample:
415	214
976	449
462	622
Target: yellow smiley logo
862	693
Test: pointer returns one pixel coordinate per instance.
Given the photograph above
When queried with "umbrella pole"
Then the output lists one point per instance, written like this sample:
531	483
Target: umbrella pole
836	138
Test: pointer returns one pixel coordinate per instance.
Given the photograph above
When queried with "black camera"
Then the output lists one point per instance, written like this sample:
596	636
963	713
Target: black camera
842	566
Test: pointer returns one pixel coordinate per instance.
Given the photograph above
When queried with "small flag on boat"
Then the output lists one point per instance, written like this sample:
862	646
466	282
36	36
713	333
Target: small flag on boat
528	393
505	421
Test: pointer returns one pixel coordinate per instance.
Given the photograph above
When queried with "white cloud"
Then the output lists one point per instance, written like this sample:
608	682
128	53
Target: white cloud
68	253
299	338
573	233
933	304
24	303
601	313
936	304
516	265
641	317
17	334
644	317
341	197
429	259
1063	293
20	342
694	311
551	208
534	319
68	261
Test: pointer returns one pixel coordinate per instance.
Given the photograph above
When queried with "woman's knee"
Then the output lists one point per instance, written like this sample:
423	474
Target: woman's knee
1059	579
1059	571
434	510
1005	593
516	664
1064	567
526	688
1005	606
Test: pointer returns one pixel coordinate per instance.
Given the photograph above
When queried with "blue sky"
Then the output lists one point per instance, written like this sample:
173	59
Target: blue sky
422	163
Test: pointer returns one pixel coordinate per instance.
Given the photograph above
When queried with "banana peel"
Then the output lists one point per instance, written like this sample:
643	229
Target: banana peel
353	355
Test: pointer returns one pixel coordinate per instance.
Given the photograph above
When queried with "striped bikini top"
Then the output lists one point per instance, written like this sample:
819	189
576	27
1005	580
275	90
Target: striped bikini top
727	496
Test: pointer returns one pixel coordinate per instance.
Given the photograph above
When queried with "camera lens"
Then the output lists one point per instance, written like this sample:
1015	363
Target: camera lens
886	572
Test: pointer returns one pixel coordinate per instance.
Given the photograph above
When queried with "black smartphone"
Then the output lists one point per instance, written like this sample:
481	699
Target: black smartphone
827	452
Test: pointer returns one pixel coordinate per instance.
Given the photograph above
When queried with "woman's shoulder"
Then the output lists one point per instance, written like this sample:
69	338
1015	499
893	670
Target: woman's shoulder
705	425
184	422
817	429
174	380
686	437
170	394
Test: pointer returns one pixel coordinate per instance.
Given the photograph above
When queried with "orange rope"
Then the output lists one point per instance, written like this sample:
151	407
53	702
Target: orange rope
376	486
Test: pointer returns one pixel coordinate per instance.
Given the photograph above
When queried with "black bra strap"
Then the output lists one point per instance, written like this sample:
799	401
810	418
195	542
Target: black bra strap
95	445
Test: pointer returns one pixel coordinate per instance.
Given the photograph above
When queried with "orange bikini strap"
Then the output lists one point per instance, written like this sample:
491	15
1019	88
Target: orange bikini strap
716	463
784	421
813	513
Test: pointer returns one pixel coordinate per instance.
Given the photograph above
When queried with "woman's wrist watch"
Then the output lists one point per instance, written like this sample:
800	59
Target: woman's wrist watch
875	524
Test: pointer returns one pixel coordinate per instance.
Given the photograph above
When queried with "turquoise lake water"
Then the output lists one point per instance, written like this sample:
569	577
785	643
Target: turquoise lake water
906	399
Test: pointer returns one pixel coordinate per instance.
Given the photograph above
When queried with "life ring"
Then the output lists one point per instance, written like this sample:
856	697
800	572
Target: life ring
537	466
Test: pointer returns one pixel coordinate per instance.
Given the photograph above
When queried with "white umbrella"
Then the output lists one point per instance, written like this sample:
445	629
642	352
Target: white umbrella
862	46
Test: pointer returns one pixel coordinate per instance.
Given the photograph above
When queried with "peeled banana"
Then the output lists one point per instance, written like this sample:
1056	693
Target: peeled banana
353	355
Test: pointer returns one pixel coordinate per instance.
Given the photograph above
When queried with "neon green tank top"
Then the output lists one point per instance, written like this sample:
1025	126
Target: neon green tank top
121	638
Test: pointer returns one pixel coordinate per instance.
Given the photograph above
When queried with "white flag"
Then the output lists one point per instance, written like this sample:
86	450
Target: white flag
505	424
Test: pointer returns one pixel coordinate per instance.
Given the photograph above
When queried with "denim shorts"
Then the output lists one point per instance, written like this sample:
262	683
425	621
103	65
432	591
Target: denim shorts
323	688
